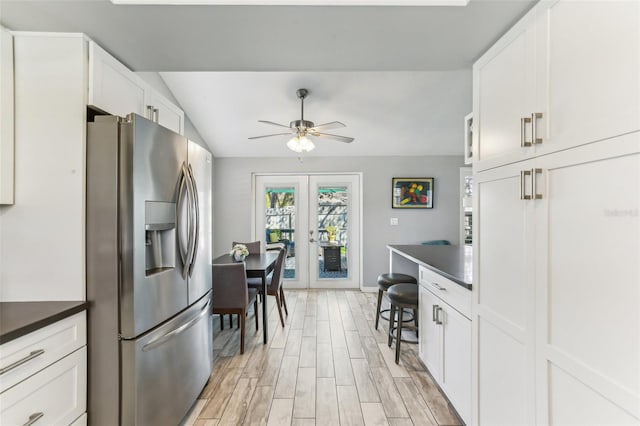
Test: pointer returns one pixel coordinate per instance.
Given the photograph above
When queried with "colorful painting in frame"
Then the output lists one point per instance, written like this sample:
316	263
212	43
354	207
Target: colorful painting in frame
412	193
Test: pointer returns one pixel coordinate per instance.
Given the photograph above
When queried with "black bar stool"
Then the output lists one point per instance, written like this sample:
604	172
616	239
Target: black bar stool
384	282
402	296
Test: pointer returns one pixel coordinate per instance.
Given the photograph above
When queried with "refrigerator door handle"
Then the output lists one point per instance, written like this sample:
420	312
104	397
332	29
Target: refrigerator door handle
196	228
168	336
180	218
190	228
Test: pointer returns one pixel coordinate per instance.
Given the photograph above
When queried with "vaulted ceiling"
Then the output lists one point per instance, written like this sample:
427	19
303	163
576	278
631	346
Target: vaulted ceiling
398	77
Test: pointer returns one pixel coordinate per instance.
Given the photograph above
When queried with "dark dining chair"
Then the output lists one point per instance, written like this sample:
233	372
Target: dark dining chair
274	284
253	247
231	295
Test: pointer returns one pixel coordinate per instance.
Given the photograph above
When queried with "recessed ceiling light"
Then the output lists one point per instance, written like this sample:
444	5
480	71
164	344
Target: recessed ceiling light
298	2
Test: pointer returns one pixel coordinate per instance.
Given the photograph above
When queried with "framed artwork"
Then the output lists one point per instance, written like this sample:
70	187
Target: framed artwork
412	193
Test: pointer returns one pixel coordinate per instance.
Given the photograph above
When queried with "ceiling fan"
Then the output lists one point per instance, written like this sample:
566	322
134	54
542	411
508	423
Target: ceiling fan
302	129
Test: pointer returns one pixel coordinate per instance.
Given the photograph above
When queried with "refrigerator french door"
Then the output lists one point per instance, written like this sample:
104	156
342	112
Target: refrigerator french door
148	246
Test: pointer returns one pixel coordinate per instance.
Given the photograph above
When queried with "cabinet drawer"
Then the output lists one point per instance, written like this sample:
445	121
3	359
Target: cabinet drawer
453	294
41	348
57	394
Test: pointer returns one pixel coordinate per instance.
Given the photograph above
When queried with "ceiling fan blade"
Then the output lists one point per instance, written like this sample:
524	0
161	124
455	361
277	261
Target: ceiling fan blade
268	136
336	137
274	124
327	126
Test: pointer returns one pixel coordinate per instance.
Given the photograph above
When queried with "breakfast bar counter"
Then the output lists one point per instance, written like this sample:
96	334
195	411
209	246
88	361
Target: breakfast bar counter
452	262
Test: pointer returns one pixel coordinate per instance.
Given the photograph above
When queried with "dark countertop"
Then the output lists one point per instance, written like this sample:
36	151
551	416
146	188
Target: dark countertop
453	262
20	318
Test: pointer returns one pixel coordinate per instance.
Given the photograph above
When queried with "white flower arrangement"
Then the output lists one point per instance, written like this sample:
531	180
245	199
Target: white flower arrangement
239	250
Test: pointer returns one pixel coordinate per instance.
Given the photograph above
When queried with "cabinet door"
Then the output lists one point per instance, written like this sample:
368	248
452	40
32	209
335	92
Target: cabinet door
587	249
456	368
113	88
6	117
164	112
503	296
503	91
587	67
57	395
430	333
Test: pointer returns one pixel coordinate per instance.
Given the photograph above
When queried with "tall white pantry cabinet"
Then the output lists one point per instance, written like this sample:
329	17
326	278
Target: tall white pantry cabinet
556	302
42	236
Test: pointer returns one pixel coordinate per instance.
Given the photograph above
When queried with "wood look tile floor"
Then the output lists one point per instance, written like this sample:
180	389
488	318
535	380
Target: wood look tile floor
328	366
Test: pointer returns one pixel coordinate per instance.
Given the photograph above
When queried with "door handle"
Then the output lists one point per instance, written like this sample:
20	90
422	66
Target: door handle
534	124
534	189
196	228
181	190
523	130
523	190
166	337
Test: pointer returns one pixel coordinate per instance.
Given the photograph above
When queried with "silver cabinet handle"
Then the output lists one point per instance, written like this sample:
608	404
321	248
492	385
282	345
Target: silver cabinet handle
34	418
156	115
534	124
18	363
150	112
534	190
434	308
438	287
523	178
311	240
523	130
438	319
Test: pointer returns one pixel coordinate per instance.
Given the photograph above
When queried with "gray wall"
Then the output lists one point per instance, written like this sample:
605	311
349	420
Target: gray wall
233	200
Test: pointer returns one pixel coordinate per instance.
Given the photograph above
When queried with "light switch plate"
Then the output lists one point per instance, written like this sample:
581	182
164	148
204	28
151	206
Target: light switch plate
393	221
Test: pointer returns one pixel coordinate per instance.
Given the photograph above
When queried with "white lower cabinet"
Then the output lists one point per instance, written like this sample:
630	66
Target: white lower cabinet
54	396
44	375
445	341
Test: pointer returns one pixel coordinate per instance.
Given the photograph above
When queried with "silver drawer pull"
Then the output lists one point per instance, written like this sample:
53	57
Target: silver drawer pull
18	363
438	287
433	312
33	418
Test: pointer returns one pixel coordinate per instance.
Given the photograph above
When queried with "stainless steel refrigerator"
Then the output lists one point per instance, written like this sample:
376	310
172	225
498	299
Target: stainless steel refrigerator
148	272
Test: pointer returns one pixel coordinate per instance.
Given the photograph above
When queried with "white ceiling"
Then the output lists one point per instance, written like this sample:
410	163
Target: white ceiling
391	74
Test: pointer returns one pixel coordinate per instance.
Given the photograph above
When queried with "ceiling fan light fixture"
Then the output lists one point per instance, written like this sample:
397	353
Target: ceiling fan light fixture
300	144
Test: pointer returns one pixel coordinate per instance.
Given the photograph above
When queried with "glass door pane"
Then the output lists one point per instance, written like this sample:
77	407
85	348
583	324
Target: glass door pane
281	217
333	239
335	231
280	223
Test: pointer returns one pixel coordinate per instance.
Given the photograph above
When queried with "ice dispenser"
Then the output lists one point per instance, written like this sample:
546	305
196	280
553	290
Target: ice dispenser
160	236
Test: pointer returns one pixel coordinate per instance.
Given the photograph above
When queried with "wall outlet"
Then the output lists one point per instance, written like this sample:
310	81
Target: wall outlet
393	221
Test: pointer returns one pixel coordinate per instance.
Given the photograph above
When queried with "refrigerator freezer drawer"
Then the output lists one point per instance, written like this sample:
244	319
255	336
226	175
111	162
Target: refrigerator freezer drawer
164	371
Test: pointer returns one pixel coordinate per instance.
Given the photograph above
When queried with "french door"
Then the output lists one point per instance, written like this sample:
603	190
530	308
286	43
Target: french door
317	216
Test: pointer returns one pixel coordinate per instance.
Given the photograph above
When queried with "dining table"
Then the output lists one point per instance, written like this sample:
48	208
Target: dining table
257	265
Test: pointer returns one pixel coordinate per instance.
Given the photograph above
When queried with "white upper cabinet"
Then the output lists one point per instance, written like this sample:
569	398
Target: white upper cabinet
161	110
6	117
554	81
587	71
503	95
113	88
